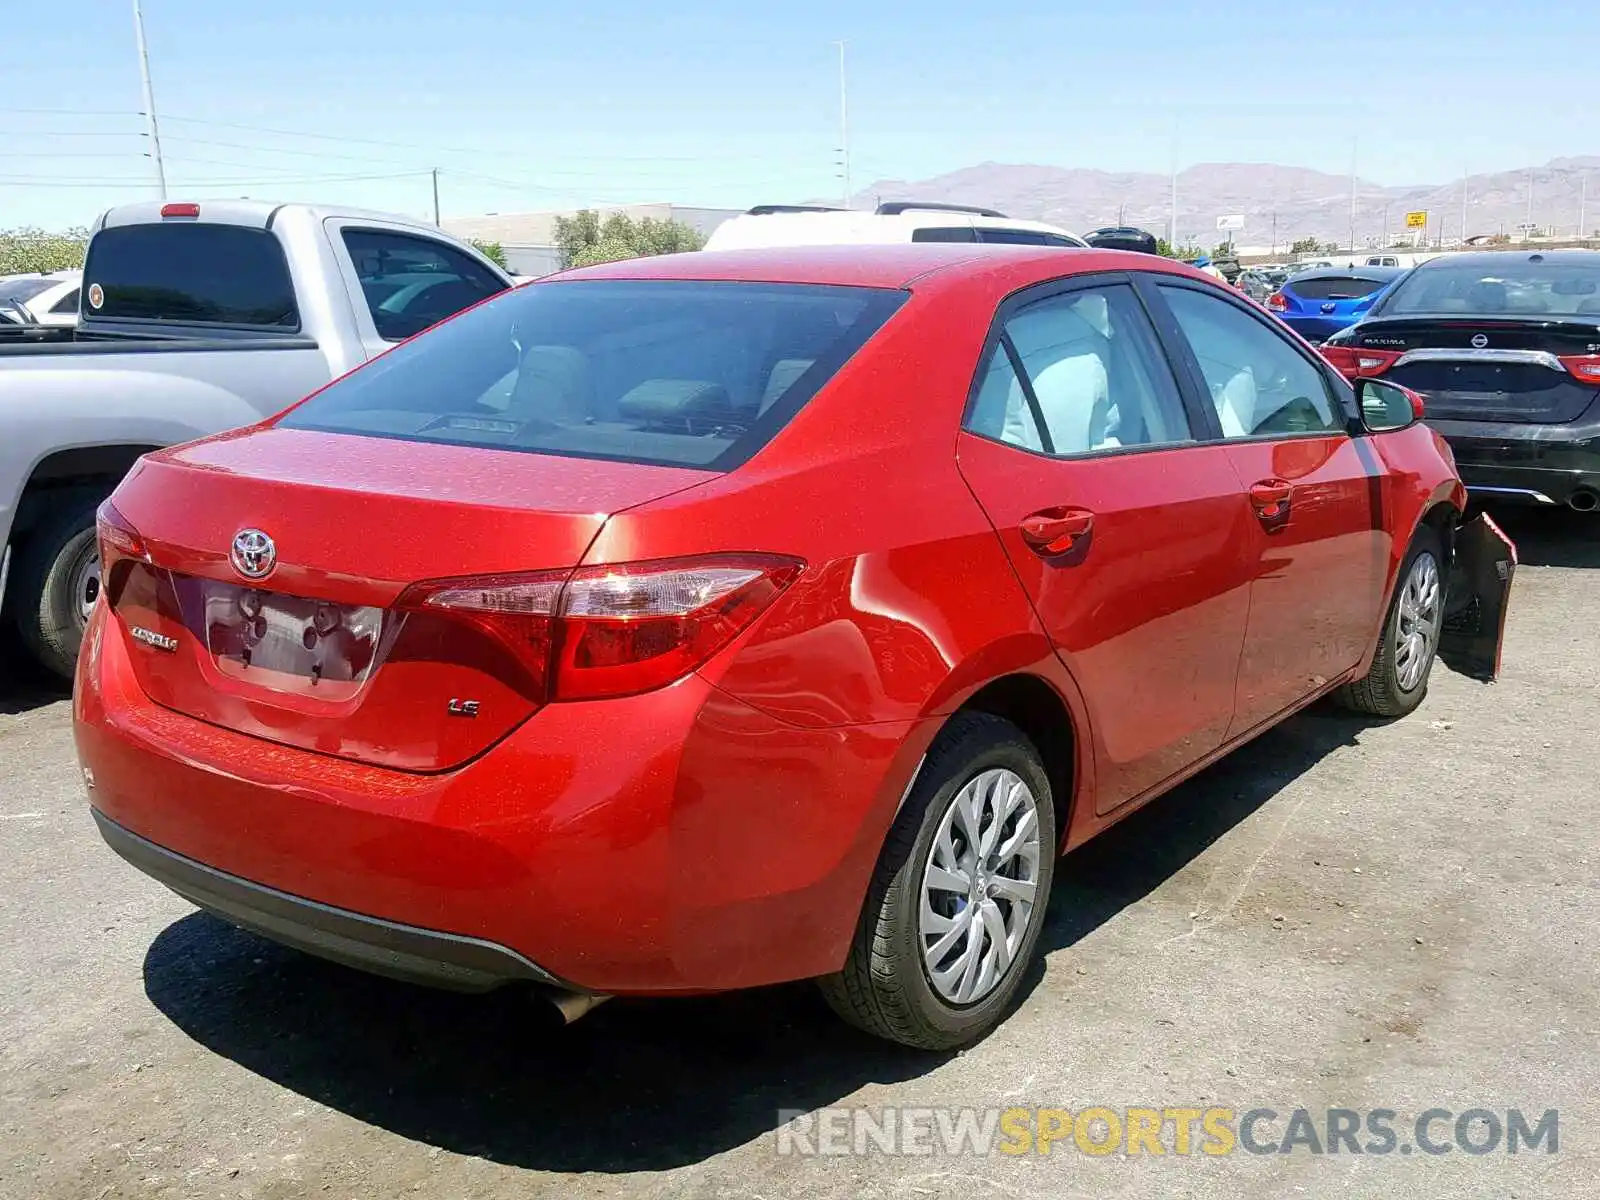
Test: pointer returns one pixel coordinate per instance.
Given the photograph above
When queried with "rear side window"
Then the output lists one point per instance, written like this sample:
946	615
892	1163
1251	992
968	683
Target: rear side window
1022	237
192	273
1092	378
957	233
1341	287
653	371
411	283
67	303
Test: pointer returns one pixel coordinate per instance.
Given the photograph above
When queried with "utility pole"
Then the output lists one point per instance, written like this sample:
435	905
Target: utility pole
1583	204
149	101
844	128
1528	233
436	196
1172	229
1466	174
1353	145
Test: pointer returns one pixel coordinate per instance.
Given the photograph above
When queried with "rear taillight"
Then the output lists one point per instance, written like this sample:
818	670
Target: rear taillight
1278	302
607	631
119	541
1583	366
1355	363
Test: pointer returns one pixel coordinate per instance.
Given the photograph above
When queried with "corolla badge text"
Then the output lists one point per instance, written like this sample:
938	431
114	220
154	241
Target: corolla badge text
151	638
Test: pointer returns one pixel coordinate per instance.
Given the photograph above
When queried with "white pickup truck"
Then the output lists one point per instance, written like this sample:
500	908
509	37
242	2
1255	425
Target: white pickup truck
195	318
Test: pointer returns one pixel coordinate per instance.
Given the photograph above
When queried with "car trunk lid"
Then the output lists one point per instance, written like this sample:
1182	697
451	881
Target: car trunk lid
1488	369
322	651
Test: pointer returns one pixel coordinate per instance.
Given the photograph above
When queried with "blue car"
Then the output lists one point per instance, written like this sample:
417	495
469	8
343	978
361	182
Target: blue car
1318	304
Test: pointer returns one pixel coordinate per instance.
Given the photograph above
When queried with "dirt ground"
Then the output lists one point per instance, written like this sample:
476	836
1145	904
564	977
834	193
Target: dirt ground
1346	914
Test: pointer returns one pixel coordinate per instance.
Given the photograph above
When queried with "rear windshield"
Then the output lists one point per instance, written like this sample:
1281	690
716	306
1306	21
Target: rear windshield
23	289
1336	287
190	273
655	371
1512	288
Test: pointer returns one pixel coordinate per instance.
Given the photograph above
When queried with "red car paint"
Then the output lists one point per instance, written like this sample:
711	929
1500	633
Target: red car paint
718	831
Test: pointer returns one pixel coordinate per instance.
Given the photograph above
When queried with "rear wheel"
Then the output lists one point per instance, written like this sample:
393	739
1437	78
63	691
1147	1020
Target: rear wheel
953	914
1409	642
56	582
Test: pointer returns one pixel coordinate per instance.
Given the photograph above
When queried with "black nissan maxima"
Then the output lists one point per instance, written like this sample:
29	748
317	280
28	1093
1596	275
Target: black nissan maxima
1504	348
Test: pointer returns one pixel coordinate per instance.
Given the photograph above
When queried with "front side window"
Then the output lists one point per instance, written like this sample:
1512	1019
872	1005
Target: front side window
411	283
653	371
67	303
952	233
1092	378
1259	383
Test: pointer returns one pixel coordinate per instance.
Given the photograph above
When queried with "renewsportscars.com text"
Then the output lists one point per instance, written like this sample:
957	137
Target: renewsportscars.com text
1181	1131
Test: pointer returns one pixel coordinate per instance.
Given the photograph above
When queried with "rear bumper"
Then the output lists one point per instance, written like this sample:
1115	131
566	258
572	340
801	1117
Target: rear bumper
1525	463
383	947
677	841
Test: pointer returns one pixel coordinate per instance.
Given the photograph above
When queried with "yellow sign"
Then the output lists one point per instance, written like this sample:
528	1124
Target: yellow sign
1417	220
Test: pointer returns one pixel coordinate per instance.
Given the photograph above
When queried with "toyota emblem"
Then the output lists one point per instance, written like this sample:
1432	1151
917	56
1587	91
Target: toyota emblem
1479	341
253	554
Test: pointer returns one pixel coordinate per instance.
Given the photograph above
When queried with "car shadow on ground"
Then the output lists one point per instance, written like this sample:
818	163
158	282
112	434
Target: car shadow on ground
1551	537
638	1084
24	685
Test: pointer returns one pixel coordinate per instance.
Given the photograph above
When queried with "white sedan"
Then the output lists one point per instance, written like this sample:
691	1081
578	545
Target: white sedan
52	300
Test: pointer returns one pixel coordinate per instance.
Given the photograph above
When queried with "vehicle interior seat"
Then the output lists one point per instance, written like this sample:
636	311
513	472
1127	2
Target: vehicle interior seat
691	406
554	384
1065	357
781	378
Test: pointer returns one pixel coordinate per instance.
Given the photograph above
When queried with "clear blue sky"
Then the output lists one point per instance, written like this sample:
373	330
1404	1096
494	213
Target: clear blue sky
531	106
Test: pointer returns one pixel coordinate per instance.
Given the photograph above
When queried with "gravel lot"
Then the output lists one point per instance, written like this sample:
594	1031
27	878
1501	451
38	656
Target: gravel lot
1435	880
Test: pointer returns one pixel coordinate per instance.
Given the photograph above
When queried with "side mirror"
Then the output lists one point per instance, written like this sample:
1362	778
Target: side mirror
1386	407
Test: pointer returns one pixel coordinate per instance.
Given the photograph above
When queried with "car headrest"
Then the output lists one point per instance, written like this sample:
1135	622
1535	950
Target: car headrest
658	401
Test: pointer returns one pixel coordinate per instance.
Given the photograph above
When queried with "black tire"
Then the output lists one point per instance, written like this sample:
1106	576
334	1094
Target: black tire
884	987
1379	693
46	607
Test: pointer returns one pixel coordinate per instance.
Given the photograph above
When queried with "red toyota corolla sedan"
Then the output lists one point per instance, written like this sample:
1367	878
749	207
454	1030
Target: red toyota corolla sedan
707	621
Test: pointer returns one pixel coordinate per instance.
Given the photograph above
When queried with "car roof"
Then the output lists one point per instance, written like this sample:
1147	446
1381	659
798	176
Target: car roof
894	265
1491	258
842	226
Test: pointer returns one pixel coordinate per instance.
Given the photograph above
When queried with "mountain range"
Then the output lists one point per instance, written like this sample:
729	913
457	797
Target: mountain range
1279	204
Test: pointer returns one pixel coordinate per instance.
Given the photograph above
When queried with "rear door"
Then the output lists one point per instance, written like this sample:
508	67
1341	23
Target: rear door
1317	536
1130	536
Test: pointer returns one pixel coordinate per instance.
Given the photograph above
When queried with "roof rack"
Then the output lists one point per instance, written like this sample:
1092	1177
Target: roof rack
767	210
893	208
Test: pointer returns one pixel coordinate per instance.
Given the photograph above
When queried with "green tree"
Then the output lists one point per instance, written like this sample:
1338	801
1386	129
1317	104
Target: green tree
1222	250
585	240
493	251
1306	245
27	249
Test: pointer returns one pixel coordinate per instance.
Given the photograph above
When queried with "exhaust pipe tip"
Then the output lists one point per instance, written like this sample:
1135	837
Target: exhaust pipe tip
573	1006
1584	500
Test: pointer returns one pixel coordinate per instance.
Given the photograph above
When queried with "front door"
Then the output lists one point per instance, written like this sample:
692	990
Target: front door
1130	538
1318	539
